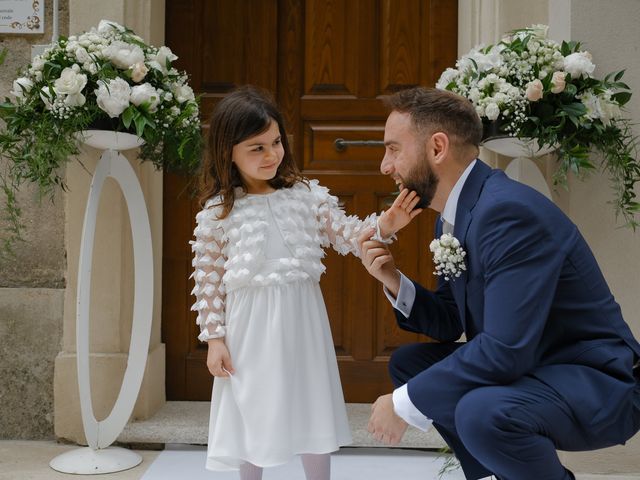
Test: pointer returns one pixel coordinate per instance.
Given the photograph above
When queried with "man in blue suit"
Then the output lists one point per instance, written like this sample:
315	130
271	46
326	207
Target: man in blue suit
548	362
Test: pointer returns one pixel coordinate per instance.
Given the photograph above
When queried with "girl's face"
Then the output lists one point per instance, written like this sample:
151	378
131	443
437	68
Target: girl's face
258	158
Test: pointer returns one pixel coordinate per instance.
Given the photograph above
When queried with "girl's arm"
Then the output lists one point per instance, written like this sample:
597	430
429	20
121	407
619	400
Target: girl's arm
342	231
208	263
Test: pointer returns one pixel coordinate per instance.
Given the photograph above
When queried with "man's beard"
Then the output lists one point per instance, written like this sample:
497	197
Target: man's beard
422	179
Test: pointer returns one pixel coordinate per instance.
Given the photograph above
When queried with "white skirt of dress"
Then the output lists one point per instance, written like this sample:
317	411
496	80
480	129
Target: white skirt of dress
285	397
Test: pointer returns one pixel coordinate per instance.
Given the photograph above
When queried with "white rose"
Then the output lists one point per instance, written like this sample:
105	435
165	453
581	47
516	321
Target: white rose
558	82
534	90
486	62
610	111
592	103
474	95
539	31
37	63
91	67
113	97
138	72
145	93
70	82
21	86
106	26
76	100
48	96
82	55
448	76
578	64
94	38
492	111
183	93
123	55
159	60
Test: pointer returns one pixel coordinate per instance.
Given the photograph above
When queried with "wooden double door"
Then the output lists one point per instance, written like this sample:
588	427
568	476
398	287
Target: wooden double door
327	63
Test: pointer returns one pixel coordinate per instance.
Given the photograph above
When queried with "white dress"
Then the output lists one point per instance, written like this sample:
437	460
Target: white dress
257	278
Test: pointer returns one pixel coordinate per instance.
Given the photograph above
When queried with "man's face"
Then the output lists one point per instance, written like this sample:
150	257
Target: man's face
406	159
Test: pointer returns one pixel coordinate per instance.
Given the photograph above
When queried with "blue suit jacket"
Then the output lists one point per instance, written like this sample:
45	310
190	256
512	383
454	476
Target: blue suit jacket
533	301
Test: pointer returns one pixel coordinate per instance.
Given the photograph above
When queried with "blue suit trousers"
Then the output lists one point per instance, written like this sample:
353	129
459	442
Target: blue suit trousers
511	431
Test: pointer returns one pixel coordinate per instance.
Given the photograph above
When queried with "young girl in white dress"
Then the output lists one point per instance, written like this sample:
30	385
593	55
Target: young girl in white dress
257	256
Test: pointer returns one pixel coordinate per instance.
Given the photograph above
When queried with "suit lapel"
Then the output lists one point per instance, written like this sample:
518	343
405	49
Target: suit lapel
468	199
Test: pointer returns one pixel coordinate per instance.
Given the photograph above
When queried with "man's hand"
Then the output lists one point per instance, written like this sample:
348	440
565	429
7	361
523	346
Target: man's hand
399	214
384	425
219	359
378	261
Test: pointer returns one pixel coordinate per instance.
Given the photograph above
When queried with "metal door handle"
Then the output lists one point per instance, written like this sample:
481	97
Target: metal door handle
341	144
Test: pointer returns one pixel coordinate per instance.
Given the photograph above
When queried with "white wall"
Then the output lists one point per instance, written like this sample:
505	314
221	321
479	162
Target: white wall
610	32
608	29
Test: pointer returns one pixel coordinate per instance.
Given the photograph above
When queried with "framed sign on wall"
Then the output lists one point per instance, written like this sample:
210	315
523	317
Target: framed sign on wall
22	16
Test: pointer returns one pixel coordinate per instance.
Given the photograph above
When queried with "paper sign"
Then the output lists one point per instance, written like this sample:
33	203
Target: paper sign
22	16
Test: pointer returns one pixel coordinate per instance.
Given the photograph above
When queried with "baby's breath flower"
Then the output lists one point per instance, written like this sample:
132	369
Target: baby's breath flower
448	256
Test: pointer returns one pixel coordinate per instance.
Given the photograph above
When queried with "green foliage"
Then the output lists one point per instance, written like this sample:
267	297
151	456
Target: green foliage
533	87
108	78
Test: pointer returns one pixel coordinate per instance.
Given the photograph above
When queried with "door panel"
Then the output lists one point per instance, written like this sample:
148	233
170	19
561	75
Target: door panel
327	63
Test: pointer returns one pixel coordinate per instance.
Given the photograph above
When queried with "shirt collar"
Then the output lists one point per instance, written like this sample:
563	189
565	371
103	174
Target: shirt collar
451	207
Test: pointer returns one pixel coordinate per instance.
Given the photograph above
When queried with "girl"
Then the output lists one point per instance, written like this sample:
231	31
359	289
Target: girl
258	250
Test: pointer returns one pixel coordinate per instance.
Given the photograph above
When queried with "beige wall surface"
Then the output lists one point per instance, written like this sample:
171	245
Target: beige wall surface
32	283
610	32
39	262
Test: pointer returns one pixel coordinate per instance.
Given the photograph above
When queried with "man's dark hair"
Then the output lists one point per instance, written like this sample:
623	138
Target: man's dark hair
433	110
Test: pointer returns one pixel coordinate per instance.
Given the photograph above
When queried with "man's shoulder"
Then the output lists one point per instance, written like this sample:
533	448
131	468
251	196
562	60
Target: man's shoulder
500	191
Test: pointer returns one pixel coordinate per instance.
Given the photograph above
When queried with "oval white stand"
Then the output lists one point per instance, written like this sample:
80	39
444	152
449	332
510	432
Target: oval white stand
98	457
524	170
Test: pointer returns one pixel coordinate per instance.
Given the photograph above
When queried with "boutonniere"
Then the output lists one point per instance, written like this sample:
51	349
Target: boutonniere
448	256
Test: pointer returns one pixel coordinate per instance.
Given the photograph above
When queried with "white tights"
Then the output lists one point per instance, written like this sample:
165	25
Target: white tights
316	467
248	471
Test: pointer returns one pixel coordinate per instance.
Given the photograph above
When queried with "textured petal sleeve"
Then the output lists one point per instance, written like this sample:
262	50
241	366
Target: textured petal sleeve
339	230
208	263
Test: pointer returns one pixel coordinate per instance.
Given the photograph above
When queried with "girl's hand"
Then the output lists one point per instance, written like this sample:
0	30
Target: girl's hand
218	358
399	214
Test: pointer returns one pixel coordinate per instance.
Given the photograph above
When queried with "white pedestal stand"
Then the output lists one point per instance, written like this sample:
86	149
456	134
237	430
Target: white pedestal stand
98	457
522	168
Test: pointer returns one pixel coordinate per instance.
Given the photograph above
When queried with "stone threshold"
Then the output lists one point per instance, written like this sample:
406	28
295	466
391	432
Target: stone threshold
188	423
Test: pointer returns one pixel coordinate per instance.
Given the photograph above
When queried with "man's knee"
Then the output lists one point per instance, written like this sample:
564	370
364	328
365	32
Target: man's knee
482	419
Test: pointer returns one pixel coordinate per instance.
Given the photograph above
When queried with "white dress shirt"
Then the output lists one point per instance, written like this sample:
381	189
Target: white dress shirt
402	404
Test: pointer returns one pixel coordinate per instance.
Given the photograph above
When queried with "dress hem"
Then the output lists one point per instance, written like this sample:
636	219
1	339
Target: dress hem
217	466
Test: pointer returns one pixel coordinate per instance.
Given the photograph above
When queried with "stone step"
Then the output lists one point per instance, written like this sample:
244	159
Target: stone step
188	423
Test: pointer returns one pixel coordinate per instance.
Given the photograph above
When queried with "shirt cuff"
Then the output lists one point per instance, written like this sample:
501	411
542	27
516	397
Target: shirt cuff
406	296
405	409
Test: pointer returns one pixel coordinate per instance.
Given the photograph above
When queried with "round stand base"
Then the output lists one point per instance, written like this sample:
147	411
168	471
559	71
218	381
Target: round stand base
86	461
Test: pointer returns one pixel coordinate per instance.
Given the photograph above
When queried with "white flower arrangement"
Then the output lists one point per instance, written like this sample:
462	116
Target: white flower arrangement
448	256
532	87
106	78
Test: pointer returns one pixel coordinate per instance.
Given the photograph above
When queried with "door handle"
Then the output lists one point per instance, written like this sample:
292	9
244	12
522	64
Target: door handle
341	144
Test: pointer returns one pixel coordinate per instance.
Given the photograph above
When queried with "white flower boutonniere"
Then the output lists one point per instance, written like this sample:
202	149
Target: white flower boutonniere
448	256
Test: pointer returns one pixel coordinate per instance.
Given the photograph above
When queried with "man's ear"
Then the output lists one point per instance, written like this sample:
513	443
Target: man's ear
440	146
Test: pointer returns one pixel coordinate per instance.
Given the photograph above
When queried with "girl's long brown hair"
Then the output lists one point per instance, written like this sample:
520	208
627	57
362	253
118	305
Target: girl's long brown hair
244	113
